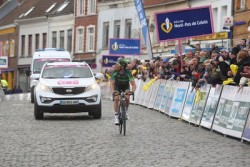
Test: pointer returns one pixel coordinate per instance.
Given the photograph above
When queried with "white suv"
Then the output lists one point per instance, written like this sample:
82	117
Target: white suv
67	87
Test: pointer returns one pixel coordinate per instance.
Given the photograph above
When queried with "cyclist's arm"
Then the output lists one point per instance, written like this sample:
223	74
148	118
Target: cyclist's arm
133	85
132	81
112	82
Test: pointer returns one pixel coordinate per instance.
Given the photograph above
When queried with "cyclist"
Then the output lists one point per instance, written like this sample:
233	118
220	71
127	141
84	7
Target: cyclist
120	80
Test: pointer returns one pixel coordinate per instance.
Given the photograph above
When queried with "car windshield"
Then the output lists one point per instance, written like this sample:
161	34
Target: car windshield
61	71
38	63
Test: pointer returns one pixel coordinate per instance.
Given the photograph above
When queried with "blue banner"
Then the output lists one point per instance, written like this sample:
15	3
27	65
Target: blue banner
108	61
124	46
143	20
184	23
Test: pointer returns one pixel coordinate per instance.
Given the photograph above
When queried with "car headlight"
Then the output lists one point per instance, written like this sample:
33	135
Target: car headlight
45	88
91	87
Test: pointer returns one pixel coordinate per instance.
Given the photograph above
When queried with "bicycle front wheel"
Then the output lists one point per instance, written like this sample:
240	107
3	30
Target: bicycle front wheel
124	120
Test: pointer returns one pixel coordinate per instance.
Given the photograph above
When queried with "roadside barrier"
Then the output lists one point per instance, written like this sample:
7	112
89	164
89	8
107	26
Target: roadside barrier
223	108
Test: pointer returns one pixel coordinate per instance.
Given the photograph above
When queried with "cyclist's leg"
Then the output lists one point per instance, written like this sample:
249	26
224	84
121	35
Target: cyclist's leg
116	101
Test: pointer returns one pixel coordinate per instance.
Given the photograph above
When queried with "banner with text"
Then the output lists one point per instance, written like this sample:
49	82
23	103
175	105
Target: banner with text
124	46
184	23
211	106
108	61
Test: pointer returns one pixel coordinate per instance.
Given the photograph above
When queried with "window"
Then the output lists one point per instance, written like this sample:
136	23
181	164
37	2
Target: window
30	46
62	6
23	46
69	40
91	6
117	27
54	39
37	41
90	39
1	49
6	48
242	4
62	39
50	8
12	48
44	40
128	26
28	12
105	34
81	7
79	40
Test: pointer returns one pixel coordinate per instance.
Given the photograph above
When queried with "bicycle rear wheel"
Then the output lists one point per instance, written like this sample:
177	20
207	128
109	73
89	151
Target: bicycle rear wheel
120	125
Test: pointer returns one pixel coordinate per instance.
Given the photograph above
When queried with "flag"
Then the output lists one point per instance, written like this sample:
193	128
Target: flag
143	20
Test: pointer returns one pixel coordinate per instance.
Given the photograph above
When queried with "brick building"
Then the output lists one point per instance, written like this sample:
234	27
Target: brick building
241	28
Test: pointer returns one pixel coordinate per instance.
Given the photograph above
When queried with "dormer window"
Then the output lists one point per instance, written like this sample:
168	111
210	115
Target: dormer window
50	8
62	6
28	12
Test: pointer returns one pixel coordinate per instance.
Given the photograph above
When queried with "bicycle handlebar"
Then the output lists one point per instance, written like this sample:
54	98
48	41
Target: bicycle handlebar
120	93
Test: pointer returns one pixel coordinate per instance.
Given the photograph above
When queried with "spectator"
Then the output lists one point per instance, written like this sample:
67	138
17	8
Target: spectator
233	55
4	85
242	44
225	55
188	57
197	47
164	69
242	60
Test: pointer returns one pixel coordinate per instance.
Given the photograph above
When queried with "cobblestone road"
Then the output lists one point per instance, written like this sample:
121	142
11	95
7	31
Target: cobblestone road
152	139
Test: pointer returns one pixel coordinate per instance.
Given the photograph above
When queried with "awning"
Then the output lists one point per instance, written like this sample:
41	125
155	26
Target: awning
6	69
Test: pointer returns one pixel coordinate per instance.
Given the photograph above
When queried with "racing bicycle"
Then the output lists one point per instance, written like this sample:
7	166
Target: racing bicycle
122	111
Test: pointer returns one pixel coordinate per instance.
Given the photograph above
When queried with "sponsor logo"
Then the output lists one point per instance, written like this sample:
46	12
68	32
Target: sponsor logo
167	26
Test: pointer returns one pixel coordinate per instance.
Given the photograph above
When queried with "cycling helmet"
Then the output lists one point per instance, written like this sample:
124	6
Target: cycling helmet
122	62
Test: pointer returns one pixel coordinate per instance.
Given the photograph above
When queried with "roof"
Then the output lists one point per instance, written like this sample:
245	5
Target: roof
7	7
148	3
37	8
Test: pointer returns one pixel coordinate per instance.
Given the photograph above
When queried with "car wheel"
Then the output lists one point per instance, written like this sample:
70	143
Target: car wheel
37	112
32	95
97	113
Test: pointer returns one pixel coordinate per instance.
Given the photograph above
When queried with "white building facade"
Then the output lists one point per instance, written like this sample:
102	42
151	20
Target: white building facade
116	19
55	31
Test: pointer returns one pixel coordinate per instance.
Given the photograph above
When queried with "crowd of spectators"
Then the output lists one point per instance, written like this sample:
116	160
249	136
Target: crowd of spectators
199	66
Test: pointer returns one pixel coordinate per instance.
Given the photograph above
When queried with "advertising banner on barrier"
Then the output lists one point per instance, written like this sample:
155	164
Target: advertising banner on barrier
119	46
211	106
165	96
184	23
139	91
171	92
137	82
159	94
154	94
143	93
239	113
224	109
179	99
246	132
199	104
147	94
188	104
